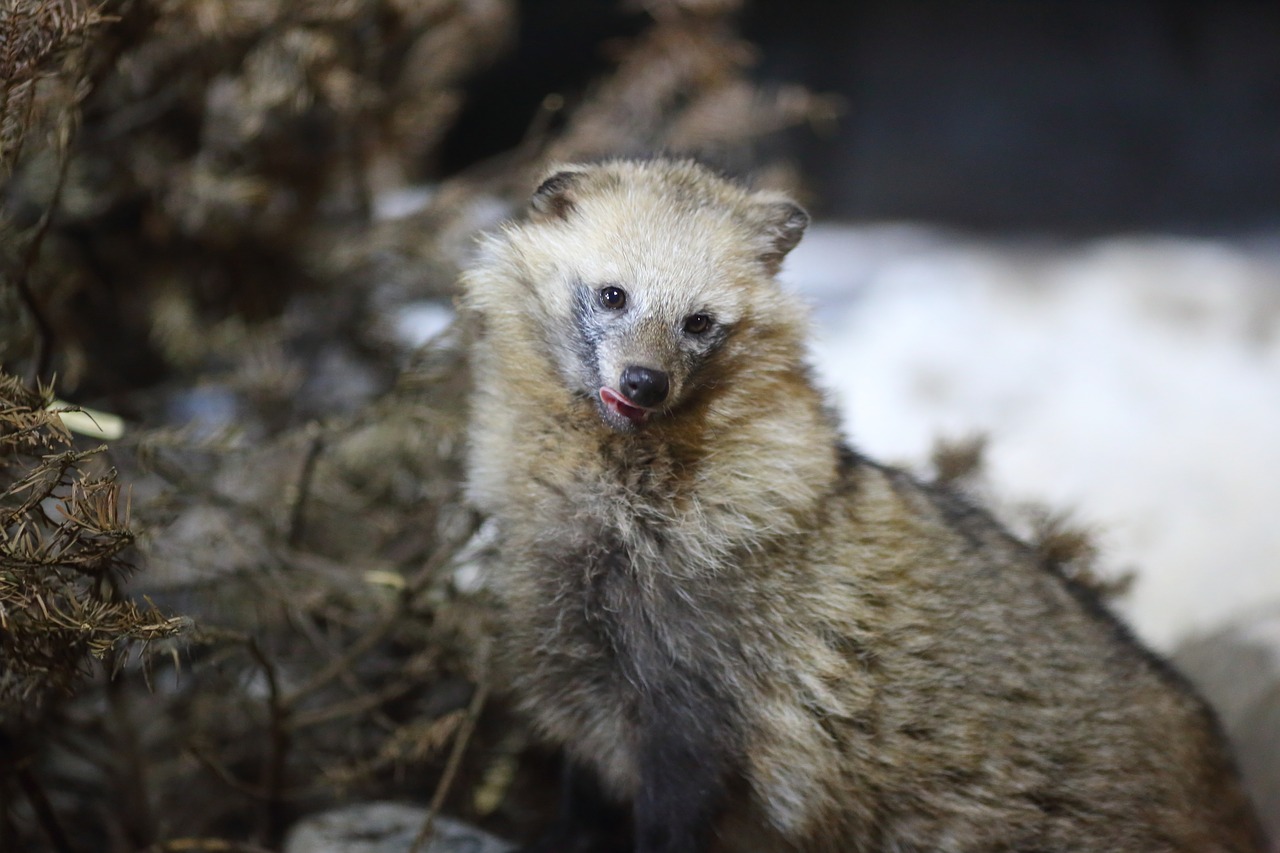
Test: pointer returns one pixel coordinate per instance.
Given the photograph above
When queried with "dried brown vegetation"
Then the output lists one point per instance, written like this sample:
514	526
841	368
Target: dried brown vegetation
188	236
63	527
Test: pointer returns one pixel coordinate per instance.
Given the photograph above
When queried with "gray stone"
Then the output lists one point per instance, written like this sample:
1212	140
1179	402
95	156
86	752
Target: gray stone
1238	671
385	828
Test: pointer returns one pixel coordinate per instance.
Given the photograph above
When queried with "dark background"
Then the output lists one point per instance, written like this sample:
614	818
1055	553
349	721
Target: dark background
1080	116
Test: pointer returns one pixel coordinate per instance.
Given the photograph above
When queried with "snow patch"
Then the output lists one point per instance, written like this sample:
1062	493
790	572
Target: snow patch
1135	382
419	322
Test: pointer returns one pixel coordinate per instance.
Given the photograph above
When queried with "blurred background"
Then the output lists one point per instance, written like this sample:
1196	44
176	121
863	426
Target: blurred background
1074	118
231	230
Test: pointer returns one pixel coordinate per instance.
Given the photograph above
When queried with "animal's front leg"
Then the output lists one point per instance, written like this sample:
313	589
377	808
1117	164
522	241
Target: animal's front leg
686	762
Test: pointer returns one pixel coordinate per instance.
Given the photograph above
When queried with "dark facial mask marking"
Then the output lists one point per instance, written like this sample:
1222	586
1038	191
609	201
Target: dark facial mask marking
586	341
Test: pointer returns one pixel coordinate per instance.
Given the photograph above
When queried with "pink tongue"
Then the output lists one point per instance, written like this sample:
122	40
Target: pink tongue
619	404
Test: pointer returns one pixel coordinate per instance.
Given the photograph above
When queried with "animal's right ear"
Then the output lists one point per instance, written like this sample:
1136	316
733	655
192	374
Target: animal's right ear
554	197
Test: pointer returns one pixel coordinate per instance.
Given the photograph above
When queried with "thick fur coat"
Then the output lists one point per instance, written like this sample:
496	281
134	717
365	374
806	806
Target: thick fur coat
751	637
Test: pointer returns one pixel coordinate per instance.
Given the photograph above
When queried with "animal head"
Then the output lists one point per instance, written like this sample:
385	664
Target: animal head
642	281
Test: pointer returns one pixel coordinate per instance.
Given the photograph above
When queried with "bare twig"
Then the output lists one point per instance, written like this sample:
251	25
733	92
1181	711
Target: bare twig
302	490
44	352
279	740
455	757
353	707
45	815
204	845
132	765
223	773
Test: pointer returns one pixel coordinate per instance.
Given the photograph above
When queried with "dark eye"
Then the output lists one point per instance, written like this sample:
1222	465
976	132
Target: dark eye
696	324
613	297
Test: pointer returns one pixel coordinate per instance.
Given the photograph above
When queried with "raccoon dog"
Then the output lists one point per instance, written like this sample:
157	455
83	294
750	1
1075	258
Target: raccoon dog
745	636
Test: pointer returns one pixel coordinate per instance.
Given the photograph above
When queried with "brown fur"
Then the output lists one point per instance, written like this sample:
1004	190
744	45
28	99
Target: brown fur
763	641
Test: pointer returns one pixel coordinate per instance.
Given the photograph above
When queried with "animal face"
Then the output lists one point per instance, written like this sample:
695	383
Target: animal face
636	347
636	280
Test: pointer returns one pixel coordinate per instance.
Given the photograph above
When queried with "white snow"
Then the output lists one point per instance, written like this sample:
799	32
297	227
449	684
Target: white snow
1134	382
418	322
403	202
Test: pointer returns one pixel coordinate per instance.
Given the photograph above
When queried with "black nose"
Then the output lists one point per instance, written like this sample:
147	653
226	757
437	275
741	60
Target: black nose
645	387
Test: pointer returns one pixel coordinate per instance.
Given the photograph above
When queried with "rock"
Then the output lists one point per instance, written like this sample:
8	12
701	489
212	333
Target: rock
1238	671
385	828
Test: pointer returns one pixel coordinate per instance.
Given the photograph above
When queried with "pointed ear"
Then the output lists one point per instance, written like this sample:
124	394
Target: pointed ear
554	196
782	225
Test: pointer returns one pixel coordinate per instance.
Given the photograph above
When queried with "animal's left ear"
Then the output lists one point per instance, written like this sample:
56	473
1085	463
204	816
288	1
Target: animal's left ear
782	223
